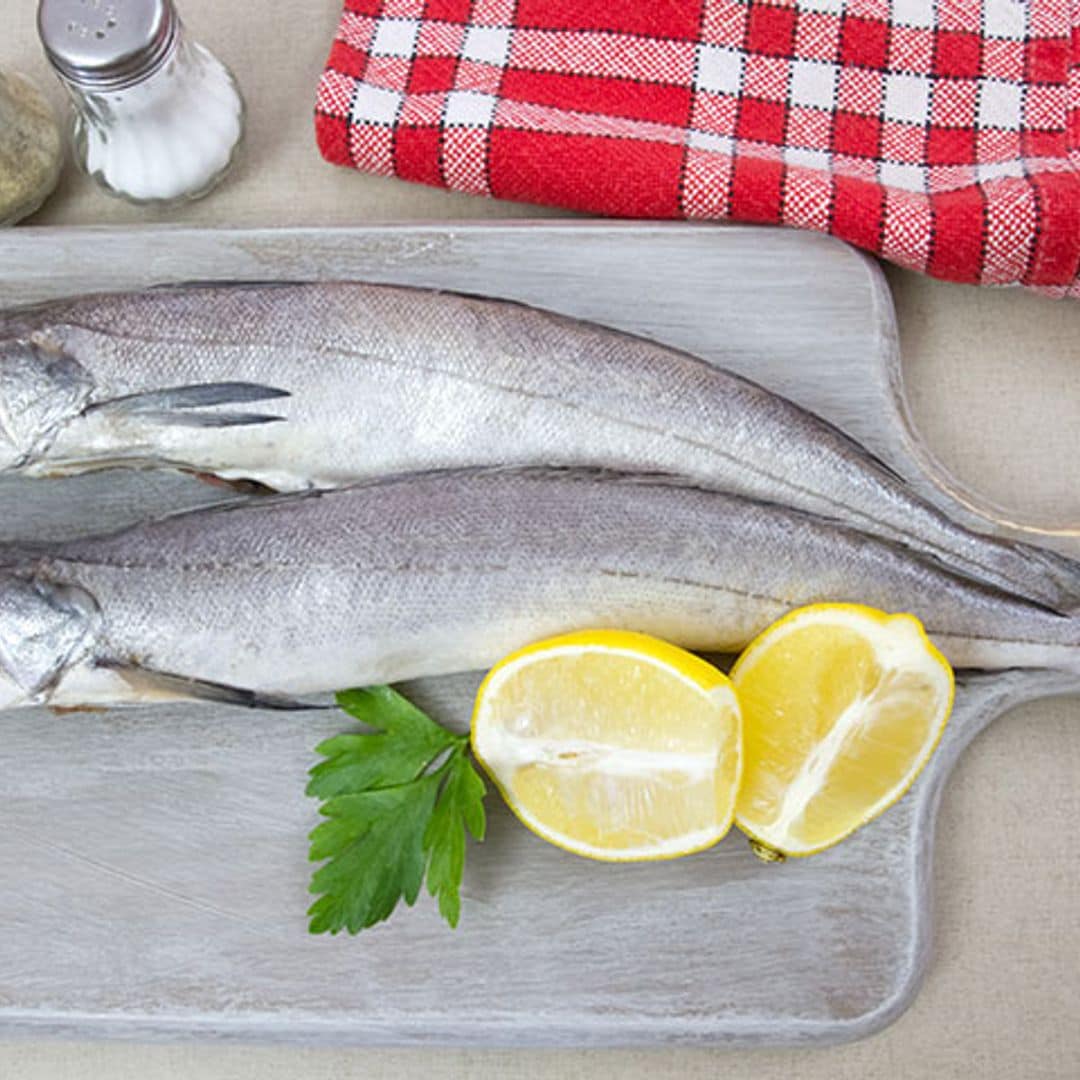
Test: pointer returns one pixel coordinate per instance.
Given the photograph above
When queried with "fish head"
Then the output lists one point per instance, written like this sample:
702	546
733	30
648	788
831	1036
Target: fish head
41	389
46	628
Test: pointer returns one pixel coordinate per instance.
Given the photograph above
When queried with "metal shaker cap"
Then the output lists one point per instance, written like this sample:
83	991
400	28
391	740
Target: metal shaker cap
107	44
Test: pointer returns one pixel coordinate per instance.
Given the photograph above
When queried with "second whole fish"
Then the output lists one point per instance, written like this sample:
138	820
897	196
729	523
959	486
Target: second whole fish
317	386
273	599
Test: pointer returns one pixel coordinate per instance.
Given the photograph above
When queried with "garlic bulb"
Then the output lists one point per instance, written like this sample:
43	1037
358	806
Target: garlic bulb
31	148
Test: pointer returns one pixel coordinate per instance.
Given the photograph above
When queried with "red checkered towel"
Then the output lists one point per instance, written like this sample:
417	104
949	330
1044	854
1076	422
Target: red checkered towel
941	134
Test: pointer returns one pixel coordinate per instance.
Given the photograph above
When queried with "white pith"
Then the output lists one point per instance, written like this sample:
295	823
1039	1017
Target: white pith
504	752
898	645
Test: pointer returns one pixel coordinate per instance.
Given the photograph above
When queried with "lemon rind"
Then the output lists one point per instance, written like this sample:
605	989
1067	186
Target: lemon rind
856	615
640	647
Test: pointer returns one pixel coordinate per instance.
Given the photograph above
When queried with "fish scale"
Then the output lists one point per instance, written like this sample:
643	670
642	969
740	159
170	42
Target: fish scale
382	379
441	572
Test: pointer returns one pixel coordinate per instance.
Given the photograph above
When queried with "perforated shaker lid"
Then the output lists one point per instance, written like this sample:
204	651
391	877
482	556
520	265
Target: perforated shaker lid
107	44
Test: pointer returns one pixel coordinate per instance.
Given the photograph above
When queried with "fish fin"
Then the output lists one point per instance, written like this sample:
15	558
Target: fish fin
209	420
173	404
183	687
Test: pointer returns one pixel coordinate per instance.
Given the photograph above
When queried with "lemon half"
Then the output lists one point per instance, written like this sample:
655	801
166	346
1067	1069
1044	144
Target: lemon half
612	745
842	707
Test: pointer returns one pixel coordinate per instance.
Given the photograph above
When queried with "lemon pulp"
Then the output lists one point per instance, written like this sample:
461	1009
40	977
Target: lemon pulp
842	706
612	745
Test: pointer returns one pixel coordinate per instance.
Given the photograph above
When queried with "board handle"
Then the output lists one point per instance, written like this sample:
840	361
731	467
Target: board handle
981	697
860	390
962	499
905	447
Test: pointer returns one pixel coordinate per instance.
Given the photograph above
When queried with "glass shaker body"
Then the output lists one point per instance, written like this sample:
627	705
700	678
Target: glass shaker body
168	139
164	123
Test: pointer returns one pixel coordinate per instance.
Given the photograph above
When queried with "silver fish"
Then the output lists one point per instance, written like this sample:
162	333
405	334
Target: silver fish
433	573
376	380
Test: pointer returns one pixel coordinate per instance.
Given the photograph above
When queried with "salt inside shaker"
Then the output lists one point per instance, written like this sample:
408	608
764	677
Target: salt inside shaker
158	118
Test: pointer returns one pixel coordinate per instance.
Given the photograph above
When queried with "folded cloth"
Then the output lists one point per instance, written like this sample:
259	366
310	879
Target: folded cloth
941	134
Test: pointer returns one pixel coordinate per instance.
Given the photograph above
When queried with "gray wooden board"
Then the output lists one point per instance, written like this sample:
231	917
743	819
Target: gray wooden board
152	861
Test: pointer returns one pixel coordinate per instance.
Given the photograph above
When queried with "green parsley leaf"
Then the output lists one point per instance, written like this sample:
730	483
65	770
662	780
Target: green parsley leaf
460	806
397	803
408	742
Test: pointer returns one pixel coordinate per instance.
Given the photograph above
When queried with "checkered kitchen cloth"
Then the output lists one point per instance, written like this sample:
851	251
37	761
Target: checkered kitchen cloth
941	134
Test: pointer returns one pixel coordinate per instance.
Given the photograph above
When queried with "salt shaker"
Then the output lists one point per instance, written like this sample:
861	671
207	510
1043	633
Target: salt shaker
158	118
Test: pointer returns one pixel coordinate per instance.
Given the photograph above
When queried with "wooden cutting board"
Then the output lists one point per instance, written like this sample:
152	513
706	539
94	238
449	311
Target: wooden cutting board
153	865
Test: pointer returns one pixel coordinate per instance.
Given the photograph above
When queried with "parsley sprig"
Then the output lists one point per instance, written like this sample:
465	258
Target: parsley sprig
397	804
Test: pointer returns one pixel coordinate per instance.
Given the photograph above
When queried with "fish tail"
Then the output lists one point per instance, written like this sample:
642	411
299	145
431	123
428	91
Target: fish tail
1063	572
1043	577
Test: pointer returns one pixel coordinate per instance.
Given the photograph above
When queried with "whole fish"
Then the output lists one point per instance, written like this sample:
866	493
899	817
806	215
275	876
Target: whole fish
375	380
435	573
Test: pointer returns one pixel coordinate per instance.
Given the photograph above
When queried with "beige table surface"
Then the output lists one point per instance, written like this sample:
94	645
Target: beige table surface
995	378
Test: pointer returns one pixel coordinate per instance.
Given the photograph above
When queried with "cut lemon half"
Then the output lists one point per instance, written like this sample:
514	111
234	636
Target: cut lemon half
842	707
612	745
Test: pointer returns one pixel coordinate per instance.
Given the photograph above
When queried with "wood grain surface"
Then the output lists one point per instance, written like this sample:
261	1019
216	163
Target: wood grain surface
154	860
